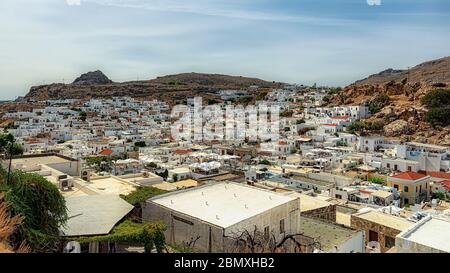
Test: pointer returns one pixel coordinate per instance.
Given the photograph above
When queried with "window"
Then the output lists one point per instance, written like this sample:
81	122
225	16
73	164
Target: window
409	169
405	189
282	230
389	242
396	186
388	165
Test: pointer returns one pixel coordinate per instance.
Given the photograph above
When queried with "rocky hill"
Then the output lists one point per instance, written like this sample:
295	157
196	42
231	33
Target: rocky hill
172	88
92	78
432	72
394	98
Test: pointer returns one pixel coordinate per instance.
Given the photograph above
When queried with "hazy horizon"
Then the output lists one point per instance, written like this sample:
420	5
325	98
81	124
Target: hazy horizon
333	42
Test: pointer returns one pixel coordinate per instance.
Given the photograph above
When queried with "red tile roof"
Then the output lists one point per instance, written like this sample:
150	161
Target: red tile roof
330	125
265	153
107	152
446	184
183	152
409	176
340	117
439	175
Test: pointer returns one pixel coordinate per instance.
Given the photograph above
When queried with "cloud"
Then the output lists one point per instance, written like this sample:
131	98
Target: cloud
73	2
374	2
210	8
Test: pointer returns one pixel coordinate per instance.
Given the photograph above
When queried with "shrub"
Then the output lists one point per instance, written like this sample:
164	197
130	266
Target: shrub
140	144
141	195
41	205
438	116
437	98
264	162
377	180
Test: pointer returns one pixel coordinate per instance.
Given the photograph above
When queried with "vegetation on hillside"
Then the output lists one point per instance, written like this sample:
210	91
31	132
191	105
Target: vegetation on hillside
363	126
378	103
438	103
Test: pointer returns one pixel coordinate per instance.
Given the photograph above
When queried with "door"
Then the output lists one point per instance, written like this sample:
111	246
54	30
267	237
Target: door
373	236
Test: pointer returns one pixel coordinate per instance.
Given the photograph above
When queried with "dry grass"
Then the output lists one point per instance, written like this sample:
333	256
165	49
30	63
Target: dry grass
8	226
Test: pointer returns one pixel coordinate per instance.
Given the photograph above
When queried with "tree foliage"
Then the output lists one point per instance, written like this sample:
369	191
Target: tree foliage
142	194
363	125
438	103
42	207
151	235
437	98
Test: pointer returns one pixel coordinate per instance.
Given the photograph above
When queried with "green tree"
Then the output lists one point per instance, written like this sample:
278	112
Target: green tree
436	98
12	150
9	148
42	207
265	162
140	144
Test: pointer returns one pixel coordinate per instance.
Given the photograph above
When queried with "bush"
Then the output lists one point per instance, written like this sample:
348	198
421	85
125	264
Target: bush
377	180
265	162
341	143
437	98
42	206
362	125
378	103
141	195
438	116
140	144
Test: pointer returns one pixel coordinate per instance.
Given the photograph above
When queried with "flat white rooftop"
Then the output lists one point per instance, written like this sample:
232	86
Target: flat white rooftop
222	204
434	233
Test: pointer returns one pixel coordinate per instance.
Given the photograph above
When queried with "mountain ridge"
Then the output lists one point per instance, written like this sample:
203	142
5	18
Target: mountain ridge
429	72
96	84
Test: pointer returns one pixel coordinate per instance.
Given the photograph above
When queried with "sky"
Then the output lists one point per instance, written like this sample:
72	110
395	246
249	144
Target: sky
328	42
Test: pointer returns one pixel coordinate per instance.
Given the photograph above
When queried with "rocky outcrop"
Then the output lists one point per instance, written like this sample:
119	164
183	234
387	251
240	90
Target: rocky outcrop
397	128
92	78
397	102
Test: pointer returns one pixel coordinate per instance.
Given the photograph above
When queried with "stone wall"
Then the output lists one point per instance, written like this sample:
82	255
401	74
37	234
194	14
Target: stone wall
327	214
383	231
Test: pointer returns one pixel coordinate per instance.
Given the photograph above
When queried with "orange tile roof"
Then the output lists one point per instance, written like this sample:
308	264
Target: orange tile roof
409	176
182	152
439	175
446	184
106	152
